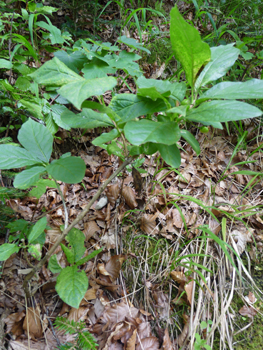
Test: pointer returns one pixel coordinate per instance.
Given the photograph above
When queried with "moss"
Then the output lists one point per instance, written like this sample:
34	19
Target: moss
161	50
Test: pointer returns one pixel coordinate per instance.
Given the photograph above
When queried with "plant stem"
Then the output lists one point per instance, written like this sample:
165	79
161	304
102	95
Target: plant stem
66	230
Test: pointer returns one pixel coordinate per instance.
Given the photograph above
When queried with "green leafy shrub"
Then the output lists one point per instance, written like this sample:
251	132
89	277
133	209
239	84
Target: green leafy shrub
152	120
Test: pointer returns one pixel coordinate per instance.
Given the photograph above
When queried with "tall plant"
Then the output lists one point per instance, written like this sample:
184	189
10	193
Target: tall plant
152	120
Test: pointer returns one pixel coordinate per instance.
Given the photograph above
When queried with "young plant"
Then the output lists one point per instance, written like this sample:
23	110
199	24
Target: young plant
201	343
29	237
72	283
84	340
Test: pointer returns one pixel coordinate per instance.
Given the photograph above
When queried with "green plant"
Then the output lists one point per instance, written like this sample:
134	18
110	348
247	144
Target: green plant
83	339
72	284
201	343
154	119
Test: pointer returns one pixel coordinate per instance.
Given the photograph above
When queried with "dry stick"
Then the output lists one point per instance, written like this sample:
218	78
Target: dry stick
66	231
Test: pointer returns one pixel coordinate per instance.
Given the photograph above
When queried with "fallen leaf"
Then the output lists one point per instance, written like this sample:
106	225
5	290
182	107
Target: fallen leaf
32	322
167	344
129	196
248	311
113	266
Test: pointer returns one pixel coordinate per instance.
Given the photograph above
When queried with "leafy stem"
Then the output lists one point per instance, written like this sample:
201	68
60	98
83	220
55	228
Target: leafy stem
66	230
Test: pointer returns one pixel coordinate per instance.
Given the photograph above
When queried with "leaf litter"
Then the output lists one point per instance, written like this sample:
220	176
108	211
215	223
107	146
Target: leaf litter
131	307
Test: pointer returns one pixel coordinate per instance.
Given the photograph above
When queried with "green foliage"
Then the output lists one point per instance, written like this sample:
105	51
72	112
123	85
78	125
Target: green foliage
152	120
38	142
72	283
29	237
84	340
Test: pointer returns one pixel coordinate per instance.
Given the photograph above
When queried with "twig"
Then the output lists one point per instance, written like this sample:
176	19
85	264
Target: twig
66	230
64	204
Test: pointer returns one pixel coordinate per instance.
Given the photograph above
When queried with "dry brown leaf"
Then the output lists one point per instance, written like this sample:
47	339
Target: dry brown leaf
113	266
177	219
32	322
214	226
130	197
241	239
182	337
179	277
150	343
162	303
167	344
248	311
101	269
90	294
137	180
113	193
132	341
90	228
189	289
148	224
14	323
252	298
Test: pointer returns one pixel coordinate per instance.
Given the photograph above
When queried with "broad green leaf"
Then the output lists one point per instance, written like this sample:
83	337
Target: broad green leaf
89	257
181	110
70	170
23	83
55	33
56	112
152	93
222	111
222	59
56	73
87	119
28	177
15	157
18	225
149	148
46	10
165	87
37	229
72	285
5	64
191	140
41	186
170	154
106	137
132	43
53	264
142	131
78	91
74	61
129	106
97	69
69	253
113	148
36	138
35	250
236	90
103	109
6	250
51	126
187	46
34	109
76	239
125	61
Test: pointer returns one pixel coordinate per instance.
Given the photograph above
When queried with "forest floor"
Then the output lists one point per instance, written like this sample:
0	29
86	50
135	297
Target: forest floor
148	283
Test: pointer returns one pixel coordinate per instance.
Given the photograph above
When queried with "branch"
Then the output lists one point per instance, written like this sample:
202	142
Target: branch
66	230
